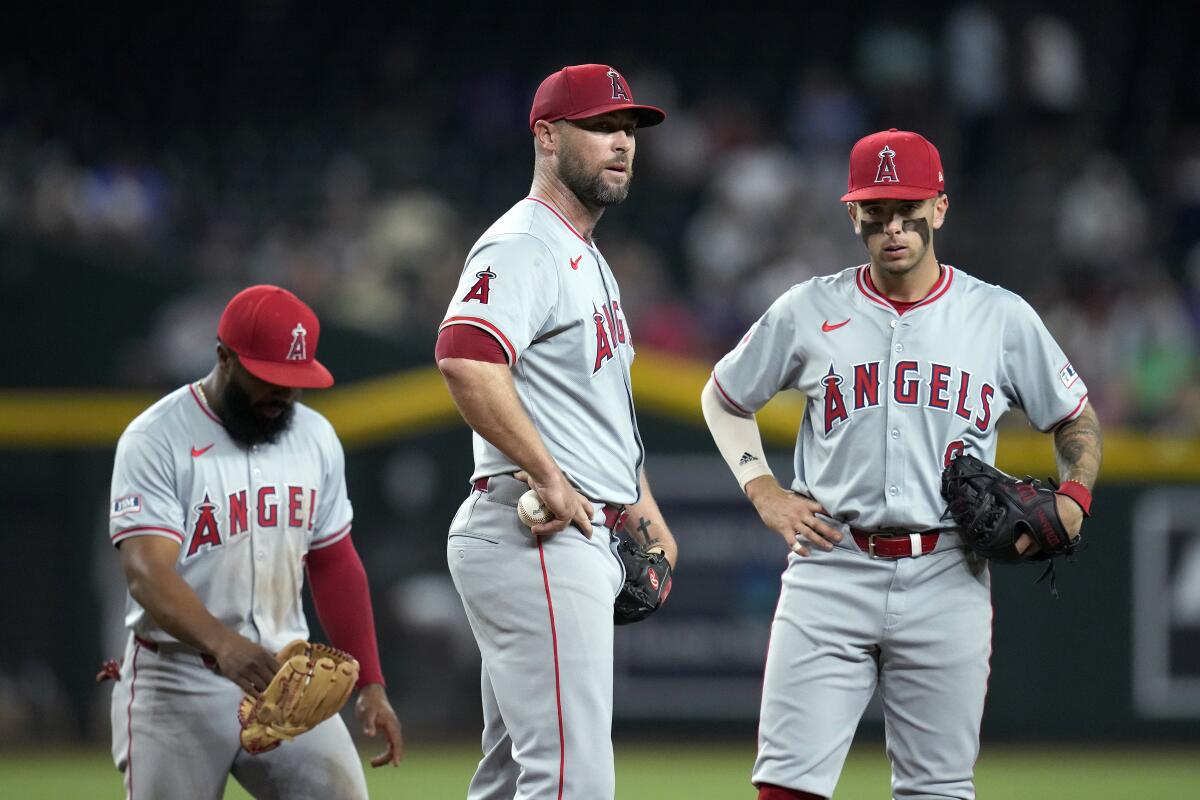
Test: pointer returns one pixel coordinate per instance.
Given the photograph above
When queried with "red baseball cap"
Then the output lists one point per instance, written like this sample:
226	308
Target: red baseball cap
895	165
586	90
275	337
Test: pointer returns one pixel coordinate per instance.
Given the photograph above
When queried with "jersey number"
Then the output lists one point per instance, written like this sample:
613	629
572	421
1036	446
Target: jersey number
953	451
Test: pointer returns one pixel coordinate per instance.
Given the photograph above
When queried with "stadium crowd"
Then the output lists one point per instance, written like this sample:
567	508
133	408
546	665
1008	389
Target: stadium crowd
1073	181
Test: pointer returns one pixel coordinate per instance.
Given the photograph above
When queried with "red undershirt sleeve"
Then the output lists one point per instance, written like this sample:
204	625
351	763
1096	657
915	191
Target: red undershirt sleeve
338	583
468	341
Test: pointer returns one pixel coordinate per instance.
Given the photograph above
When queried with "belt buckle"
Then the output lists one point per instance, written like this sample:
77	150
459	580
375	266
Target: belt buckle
914	540
871	545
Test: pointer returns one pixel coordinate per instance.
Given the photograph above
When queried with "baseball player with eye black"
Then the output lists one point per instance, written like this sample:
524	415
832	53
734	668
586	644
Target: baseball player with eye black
226	493
907	365
536	352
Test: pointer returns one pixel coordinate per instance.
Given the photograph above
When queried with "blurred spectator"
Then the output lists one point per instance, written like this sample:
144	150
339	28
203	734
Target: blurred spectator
1054	64
1102	217
975	53
1161	357
826	116
975	60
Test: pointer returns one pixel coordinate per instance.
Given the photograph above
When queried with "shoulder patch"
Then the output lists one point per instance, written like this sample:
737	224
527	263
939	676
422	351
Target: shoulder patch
482	288
129	504
1068	376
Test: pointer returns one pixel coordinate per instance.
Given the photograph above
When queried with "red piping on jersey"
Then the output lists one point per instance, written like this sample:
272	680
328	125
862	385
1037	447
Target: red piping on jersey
561	217
862	279
562	740
203	406
332	538
137	648
483	323
725	394
1073	413
122	534
936	292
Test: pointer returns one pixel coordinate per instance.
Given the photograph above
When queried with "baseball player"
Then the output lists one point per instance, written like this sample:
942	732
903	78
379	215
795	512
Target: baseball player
536	352
224	494
906	363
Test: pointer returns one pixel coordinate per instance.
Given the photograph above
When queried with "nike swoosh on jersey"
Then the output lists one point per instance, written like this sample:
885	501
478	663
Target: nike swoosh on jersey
575	261
825	326
197	452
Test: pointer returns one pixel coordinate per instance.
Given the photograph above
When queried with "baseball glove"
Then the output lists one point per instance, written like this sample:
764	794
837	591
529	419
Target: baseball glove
993	509
647	581
312	685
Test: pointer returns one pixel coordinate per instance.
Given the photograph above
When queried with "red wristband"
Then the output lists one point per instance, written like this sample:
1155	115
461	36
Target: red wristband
1079	493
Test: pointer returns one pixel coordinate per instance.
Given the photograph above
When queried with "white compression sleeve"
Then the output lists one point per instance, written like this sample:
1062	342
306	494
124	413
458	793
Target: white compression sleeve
737	437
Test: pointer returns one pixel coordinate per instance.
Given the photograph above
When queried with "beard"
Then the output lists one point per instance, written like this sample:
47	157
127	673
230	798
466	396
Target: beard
245	424
591	188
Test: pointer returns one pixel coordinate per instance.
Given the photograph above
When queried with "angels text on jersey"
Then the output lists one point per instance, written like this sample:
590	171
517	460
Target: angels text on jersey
216	519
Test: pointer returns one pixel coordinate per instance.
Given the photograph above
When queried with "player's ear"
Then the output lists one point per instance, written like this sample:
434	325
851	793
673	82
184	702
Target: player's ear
224	359
852	210
939	210
545	134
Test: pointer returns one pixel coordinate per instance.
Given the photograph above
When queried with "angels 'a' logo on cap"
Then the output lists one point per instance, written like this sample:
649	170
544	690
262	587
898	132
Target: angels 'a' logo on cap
887	166
619	92
299	349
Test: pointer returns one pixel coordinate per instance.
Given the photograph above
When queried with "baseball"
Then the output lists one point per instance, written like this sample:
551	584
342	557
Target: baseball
531	510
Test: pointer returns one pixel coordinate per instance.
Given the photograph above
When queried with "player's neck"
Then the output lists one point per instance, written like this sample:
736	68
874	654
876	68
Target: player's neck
210	392
581	217
909	286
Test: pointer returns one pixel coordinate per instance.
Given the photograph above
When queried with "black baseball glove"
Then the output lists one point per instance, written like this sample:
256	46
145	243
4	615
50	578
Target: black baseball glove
993	509
647	581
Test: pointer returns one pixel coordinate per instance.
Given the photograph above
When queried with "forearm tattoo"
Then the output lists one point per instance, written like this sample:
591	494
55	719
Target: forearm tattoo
1078	447
642	534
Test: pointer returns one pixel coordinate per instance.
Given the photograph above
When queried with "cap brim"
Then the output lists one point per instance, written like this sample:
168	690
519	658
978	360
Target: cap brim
647	115
889	193
311	375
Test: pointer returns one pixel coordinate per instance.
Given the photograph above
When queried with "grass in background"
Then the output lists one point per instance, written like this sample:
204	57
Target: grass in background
667	771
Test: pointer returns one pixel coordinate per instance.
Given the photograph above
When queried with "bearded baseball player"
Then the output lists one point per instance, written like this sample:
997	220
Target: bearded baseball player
907	365
225	494
536	353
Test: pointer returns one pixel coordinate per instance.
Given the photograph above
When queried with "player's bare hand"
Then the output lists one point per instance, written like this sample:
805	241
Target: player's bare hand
668	549
1071	515
563	501
247	664
793	516
376	713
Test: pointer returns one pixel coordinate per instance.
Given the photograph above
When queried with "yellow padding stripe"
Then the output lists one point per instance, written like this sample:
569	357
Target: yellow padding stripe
416	400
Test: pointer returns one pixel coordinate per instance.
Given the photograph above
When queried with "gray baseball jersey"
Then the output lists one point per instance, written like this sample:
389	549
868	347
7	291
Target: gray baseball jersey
244	518
891	399
549	297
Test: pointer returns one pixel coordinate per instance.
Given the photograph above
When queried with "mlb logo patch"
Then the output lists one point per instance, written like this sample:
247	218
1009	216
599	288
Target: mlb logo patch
128	504
1068	376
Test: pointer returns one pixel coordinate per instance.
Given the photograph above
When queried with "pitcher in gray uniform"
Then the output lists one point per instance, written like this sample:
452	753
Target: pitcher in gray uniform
906	363
536	351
